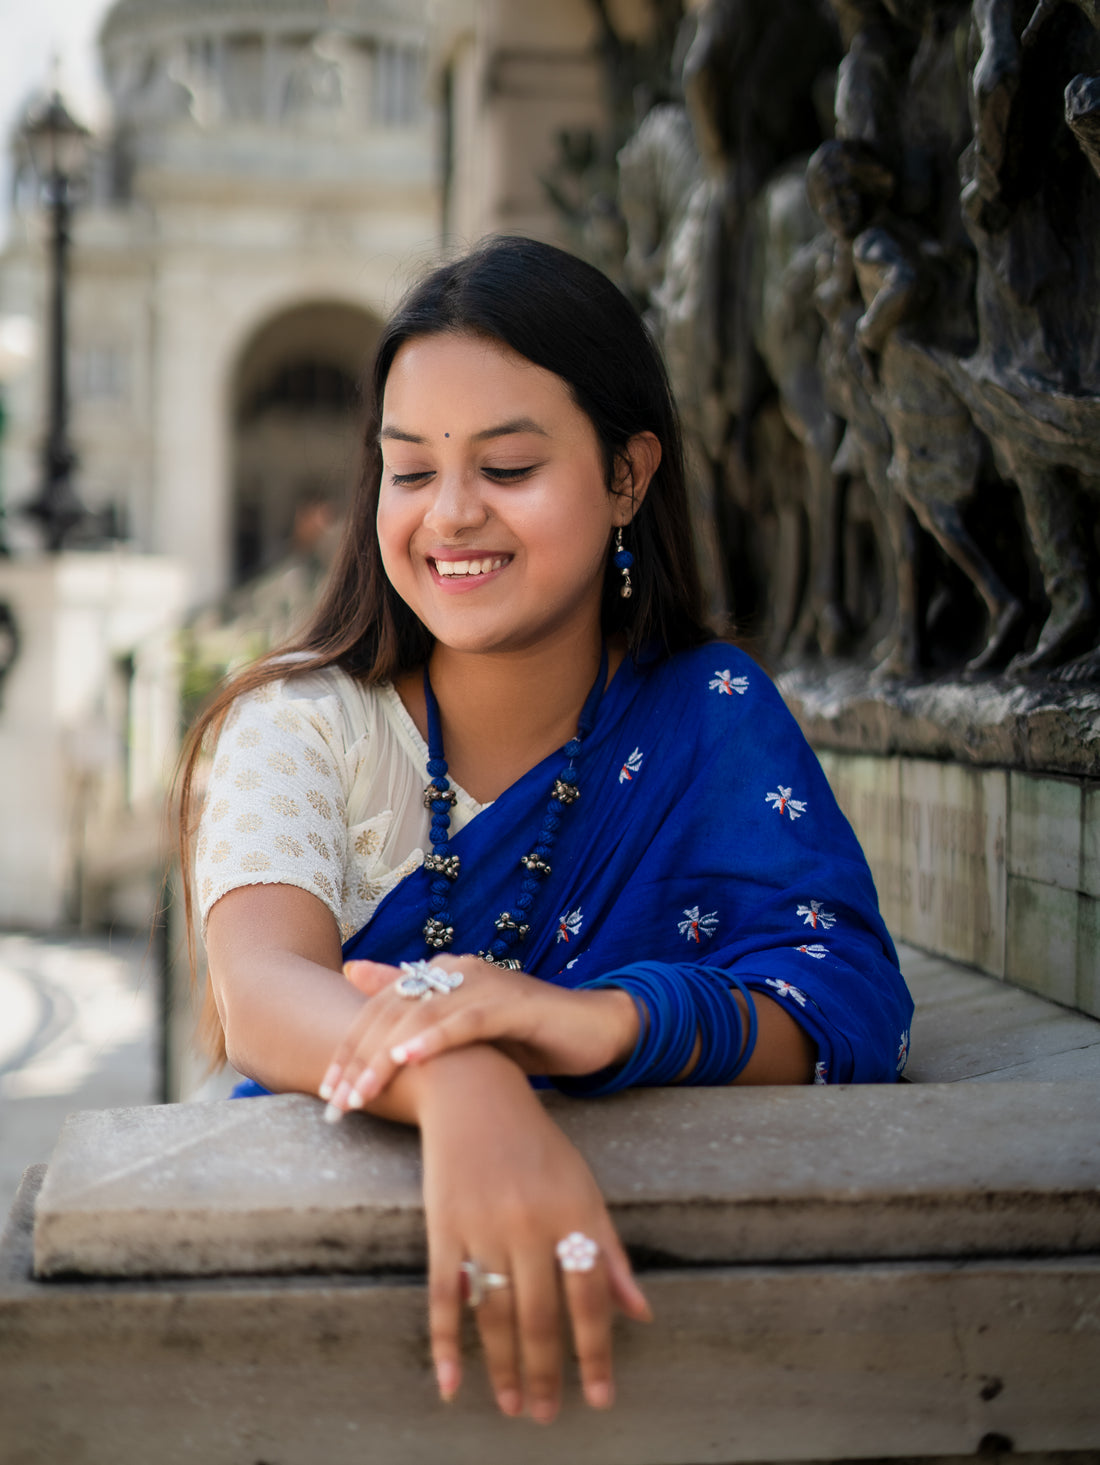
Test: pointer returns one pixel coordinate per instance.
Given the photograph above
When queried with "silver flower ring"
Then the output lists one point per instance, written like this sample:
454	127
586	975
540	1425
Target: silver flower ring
422	980
577	1252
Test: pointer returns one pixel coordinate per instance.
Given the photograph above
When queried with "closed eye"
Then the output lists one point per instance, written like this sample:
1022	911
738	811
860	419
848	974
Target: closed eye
508	475
403	479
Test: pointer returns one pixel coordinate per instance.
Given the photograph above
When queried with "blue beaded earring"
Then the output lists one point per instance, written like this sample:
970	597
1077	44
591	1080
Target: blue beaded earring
623	561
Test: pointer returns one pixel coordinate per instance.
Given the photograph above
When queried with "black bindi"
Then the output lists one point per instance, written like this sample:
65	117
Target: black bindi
446	434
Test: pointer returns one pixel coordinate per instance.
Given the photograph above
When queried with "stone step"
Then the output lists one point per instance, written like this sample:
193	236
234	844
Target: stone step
809	1362
692	1176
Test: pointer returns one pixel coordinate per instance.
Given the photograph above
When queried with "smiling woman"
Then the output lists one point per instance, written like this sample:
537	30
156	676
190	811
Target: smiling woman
495	532
494	823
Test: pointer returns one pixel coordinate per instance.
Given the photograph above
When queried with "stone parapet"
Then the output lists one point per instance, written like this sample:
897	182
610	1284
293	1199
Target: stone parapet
1041	727
993	867
898	1273
752	1362
691	1176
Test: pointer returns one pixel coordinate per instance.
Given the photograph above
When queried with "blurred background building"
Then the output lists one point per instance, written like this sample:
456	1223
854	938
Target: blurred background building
263	180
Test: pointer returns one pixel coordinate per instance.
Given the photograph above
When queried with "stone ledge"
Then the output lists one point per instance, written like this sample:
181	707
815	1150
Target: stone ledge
759	1363
704	1176
969	1026
1041	726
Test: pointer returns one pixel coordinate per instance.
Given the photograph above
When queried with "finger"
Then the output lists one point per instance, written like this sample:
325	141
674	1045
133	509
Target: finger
444	1304
333	1087
588	1300
367	1037
370	977
458	1030
378	1064
625	1291
538	1324
496	1326
368	1069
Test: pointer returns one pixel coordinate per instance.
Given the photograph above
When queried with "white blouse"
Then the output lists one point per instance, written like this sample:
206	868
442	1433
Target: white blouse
318	782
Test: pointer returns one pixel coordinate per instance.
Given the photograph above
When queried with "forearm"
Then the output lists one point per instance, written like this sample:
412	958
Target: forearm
275	964
275	969
283	1016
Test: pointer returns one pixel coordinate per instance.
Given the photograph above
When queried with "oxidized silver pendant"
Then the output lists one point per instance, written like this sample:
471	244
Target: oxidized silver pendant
433	795
437	934
507	922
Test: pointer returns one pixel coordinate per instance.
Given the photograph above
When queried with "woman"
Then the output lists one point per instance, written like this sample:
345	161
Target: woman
621	819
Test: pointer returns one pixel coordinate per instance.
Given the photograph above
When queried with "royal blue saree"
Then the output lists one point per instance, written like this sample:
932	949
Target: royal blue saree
705	831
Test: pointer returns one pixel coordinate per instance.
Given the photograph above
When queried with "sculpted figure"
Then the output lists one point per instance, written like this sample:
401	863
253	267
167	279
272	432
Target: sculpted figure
1032	199
864	449
788	332
666	201
750	96
907	299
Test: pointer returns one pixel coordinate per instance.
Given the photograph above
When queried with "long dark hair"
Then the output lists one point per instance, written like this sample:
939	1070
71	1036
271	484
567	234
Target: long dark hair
567	317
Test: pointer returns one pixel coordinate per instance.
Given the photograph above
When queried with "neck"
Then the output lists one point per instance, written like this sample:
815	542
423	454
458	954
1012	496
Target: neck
502	714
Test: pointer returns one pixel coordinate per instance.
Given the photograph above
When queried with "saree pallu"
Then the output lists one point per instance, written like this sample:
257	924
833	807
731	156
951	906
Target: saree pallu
705	831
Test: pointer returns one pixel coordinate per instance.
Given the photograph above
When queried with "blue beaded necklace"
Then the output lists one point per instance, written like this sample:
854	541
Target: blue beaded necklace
440	798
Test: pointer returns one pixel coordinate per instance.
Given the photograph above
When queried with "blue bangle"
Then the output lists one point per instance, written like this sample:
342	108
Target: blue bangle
678	1006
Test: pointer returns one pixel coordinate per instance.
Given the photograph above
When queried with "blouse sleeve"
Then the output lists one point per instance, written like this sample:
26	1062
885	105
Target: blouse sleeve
275	808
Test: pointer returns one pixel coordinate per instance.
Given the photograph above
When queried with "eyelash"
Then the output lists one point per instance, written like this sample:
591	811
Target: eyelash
496	475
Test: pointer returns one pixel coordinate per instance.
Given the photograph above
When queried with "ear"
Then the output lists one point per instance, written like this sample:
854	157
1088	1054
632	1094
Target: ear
635	468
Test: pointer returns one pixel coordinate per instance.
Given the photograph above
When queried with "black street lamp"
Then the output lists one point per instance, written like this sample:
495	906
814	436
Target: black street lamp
58	149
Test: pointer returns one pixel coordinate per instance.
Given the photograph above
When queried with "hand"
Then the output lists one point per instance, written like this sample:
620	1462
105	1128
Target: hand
543	1028
502	1185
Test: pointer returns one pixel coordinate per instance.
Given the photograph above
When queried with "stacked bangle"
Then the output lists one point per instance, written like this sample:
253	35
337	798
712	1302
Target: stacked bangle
677	1006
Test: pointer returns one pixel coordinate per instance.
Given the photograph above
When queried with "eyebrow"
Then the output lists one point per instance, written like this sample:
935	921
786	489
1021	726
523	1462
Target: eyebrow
504	429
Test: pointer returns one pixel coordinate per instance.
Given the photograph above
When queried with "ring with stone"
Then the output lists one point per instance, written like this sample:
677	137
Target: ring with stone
477	1283
422	980
577	1252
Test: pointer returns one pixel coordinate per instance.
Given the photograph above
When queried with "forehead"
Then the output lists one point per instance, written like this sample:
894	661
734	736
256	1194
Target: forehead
470	378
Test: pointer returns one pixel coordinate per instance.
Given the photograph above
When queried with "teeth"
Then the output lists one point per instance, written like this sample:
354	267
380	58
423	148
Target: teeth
470	567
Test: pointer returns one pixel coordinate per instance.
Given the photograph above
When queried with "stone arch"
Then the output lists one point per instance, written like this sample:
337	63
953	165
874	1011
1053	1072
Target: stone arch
294	399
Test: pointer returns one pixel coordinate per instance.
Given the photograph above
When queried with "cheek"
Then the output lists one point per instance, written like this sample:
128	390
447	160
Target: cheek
394	526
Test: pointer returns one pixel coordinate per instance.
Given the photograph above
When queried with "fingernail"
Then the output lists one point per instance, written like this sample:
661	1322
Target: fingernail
543	1411
510	1402
368	1085
600	1394
400	1054
329	1082
355	1099
333	1114
446	1376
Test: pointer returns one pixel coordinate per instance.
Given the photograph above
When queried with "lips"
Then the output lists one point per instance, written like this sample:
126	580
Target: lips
469	569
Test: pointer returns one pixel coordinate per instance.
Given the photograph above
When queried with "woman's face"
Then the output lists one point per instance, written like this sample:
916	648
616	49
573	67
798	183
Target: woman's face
494	518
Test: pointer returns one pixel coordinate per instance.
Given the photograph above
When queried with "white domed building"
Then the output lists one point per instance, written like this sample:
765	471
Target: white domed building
266	186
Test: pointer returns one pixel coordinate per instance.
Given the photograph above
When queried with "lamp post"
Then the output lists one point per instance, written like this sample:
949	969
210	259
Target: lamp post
57	146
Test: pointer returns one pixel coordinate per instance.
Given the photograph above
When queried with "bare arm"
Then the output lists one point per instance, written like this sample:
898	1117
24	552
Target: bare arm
275	965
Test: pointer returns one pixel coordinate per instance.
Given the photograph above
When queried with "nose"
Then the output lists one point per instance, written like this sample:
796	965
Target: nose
456	505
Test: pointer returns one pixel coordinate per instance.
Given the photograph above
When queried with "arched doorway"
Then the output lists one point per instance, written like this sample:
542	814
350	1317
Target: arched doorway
296	429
